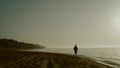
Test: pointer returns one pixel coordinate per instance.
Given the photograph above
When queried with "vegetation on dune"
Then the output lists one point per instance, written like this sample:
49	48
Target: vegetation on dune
13	44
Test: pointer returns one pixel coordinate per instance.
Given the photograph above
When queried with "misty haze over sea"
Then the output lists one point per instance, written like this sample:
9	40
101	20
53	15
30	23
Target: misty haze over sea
110	56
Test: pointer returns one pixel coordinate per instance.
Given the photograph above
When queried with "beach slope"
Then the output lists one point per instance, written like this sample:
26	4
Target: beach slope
23	59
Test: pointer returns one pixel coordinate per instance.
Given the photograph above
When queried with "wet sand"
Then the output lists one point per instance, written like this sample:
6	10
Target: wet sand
25	59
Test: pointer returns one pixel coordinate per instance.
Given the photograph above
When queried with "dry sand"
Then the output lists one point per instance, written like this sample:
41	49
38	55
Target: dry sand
22	59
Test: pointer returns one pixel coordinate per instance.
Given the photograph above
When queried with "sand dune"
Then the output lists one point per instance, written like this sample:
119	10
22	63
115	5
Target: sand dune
22	59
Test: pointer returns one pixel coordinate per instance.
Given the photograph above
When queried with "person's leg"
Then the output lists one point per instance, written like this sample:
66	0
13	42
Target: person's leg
75	52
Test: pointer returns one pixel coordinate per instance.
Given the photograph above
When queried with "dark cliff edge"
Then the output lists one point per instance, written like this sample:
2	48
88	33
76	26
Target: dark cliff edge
6	44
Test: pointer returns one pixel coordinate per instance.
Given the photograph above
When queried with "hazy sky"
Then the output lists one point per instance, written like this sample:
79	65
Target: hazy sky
61	23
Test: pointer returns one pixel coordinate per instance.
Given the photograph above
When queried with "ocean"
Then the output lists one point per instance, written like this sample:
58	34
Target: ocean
108	56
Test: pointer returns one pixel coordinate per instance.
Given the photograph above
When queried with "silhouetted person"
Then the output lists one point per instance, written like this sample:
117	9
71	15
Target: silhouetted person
75	49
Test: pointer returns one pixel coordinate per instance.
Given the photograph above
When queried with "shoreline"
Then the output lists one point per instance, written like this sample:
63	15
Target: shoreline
28	59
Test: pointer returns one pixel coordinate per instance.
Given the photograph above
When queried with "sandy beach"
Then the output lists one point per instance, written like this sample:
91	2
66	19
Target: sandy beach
25	59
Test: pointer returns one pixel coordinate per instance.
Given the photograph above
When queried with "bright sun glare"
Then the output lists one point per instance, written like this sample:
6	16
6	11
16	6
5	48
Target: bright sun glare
115	22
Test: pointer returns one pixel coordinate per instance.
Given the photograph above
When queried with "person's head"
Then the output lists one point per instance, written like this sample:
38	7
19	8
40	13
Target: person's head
75	45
